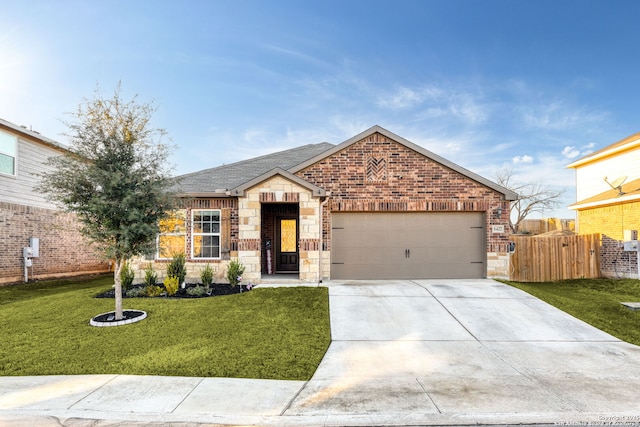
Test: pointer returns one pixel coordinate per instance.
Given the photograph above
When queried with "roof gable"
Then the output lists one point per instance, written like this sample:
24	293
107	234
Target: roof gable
240	190
509	195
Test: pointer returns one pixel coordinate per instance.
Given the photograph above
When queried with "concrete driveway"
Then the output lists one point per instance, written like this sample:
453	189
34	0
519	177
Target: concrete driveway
466	351
422	352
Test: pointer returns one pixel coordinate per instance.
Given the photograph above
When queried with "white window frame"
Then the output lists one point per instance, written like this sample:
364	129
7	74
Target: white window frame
13	155
184	233
211	234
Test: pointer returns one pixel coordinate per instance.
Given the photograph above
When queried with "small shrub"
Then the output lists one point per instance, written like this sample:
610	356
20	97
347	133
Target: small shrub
206	275
126	276
197	291
153	290
137	292
150	276
176	268
171	285
234	272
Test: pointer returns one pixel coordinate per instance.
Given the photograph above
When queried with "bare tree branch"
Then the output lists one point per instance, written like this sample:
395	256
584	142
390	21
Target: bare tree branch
532	197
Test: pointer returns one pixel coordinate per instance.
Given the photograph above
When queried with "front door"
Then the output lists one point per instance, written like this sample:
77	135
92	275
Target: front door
287	245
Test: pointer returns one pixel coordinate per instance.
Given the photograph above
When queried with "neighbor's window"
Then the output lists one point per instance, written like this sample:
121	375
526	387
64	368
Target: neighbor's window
205	234
8	153
172	238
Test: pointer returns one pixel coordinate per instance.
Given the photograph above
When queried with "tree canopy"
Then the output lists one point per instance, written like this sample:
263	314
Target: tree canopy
116	178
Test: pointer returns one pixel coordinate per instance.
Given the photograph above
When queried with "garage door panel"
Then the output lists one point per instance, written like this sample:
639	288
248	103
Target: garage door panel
408	245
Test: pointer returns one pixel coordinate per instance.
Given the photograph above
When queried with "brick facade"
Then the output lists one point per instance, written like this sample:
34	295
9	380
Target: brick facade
403	181
610	222
373	174
63	250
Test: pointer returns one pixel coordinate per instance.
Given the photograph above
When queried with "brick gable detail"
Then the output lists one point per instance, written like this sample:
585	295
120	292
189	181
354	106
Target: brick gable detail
403	180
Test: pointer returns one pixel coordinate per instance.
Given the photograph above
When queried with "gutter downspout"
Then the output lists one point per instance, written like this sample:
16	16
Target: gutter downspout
322	205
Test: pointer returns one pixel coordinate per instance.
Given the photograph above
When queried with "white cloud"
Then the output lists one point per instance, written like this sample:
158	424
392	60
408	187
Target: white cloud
570	152
558	115
405	97
587	149
436	102
522	159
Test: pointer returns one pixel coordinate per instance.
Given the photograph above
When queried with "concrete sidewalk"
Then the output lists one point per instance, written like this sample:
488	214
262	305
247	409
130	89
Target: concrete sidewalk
424	352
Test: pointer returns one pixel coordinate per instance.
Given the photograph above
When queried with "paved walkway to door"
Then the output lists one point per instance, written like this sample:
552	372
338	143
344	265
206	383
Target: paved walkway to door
422	352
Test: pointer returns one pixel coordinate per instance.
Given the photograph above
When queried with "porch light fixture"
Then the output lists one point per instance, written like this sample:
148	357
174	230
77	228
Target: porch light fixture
499	212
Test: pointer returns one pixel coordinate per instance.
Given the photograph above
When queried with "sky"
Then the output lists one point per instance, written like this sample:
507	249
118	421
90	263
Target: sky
532	85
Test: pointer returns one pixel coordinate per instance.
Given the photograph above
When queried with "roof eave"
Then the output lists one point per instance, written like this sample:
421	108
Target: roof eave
605	153
204	194
607	202
34	136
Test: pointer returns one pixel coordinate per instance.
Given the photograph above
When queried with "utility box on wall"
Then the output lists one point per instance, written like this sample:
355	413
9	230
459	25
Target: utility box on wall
34	244
630	246
629	235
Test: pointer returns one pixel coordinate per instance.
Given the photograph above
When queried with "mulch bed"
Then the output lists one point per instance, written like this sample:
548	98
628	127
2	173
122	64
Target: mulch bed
214	291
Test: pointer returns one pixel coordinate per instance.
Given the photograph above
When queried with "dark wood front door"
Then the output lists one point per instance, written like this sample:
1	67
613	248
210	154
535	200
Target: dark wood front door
287	245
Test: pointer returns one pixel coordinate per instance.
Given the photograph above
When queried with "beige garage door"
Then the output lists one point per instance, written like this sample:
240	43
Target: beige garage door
408	245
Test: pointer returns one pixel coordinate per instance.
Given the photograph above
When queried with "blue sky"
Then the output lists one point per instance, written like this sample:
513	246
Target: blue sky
484	84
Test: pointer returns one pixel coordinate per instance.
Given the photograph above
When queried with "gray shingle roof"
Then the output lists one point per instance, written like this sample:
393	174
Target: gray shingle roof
230	176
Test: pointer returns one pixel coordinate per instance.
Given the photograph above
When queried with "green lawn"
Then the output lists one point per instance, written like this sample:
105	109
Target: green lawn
595	301
272	333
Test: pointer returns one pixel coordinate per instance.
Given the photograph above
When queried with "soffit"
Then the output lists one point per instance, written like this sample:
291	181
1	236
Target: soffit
630	193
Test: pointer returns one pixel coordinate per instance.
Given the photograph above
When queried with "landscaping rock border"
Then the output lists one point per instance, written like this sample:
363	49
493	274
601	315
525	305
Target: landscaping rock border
108	319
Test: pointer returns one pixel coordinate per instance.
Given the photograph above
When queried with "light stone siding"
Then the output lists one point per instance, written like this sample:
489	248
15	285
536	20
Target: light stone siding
498	265
250	212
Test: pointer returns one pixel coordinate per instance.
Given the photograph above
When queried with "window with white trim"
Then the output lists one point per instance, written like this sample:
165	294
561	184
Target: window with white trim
8	153
173	235
205	234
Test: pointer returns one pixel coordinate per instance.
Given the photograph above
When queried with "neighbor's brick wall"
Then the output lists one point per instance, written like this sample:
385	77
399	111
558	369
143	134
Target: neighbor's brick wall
610	220
616	263
63	250
378	174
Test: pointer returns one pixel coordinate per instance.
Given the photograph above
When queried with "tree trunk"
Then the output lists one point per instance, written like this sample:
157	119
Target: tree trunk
118	286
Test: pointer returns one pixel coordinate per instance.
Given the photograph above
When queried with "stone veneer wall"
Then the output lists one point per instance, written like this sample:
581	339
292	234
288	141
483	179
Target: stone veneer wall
379	174
278	190
63	250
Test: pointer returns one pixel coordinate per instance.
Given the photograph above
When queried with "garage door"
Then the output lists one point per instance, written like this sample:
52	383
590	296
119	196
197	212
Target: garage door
408	245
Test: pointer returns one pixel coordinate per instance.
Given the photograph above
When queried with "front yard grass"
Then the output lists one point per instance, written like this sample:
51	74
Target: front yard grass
595	301
270	333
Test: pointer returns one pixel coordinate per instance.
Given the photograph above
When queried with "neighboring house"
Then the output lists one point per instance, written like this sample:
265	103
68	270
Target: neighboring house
608	202
374	207
25	213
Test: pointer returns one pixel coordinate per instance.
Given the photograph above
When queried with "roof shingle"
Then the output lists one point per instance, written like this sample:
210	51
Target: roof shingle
230	176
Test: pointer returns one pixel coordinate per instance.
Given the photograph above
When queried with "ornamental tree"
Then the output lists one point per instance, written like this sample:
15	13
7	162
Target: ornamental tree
116	179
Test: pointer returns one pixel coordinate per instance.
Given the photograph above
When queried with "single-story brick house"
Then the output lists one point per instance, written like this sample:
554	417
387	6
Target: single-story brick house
608	202
373	207
26	216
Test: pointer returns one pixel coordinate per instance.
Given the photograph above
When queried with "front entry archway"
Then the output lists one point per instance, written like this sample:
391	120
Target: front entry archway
280	235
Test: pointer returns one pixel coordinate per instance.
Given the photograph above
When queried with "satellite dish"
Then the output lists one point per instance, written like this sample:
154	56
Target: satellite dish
617	184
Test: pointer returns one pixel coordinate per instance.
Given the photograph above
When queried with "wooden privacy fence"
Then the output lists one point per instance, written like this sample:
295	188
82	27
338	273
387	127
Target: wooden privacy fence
551	258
